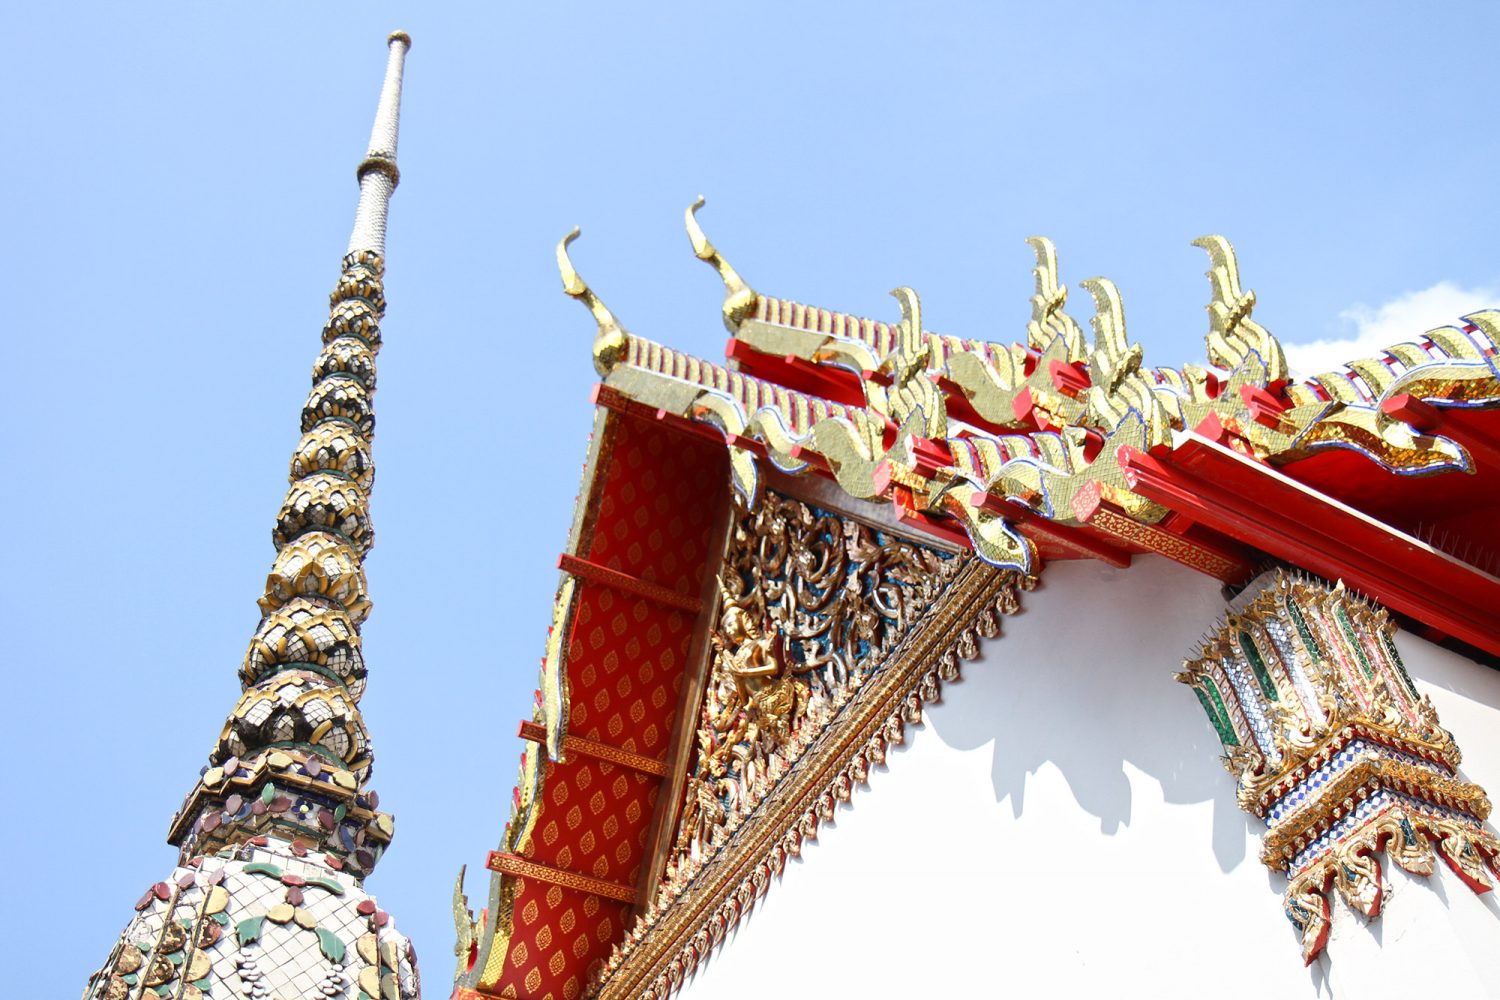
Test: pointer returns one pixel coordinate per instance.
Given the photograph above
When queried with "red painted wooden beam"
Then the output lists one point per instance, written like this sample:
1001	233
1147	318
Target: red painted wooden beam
756	448
1222	561
610	399
686	425
515	865
799	374
624	582
1025	408
598	751
1461	424
801	453
1065	536
940	526
1265	408
1263	507
614	399
1069	379
928	456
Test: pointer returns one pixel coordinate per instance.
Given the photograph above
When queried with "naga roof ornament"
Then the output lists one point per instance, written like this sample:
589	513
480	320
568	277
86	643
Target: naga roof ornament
280	830
611	339
739	298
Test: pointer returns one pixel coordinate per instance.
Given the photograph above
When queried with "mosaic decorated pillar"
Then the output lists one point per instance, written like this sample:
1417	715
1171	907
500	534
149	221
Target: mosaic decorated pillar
1335	750
280	830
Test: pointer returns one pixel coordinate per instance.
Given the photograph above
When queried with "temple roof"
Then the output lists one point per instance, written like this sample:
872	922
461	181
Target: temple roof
1059	446
1073	445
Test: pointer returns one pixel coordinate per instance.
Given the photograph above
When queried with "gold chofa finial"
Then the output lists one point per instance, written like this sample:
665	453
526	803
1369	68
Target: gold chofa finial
910	328
1108	320
1232	334
739	298
611	342
1048	320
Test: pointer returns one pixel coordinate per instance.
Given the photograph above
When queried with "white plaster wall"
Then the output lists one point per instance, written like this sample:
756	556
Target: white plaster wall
1061	825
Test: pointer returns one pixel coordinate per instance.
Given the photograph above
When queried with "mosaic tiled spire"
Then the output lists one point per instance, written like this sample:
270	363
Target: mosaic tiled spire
280	829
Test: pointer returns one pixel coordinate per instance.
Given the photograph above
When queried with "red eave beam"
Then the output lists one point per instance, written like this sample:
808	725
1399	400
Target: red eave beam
1071	539
754	447
627	584
1261	506
598	751
1221	559
614	399
797	374
519	867
1461	424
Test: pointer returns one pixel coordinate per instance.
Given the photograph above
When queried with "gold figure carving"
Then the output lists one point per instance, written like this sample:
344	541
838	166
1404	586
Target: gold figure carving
810	603
754	660
701	900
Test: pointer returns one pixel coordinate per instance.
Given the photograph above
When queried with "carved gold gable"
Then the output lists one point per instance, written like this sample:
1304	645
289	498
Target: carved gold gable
822	619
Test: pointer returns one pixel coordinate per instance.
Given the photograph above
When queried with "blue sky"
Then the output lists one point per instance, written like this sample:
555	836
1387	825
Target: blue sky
179	188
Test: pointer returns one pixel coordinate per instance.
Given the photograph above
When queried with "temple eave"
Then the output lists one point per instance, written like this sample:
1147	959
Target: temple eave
789	368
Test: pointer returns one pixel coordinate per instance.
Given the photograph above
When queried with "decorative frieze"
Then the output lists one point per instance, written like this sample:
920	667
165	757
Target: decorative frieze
1335	750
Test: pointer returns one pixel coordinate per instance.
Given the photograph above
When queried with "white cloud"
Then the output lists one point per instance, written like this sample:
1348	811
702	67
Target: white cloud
1372	329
